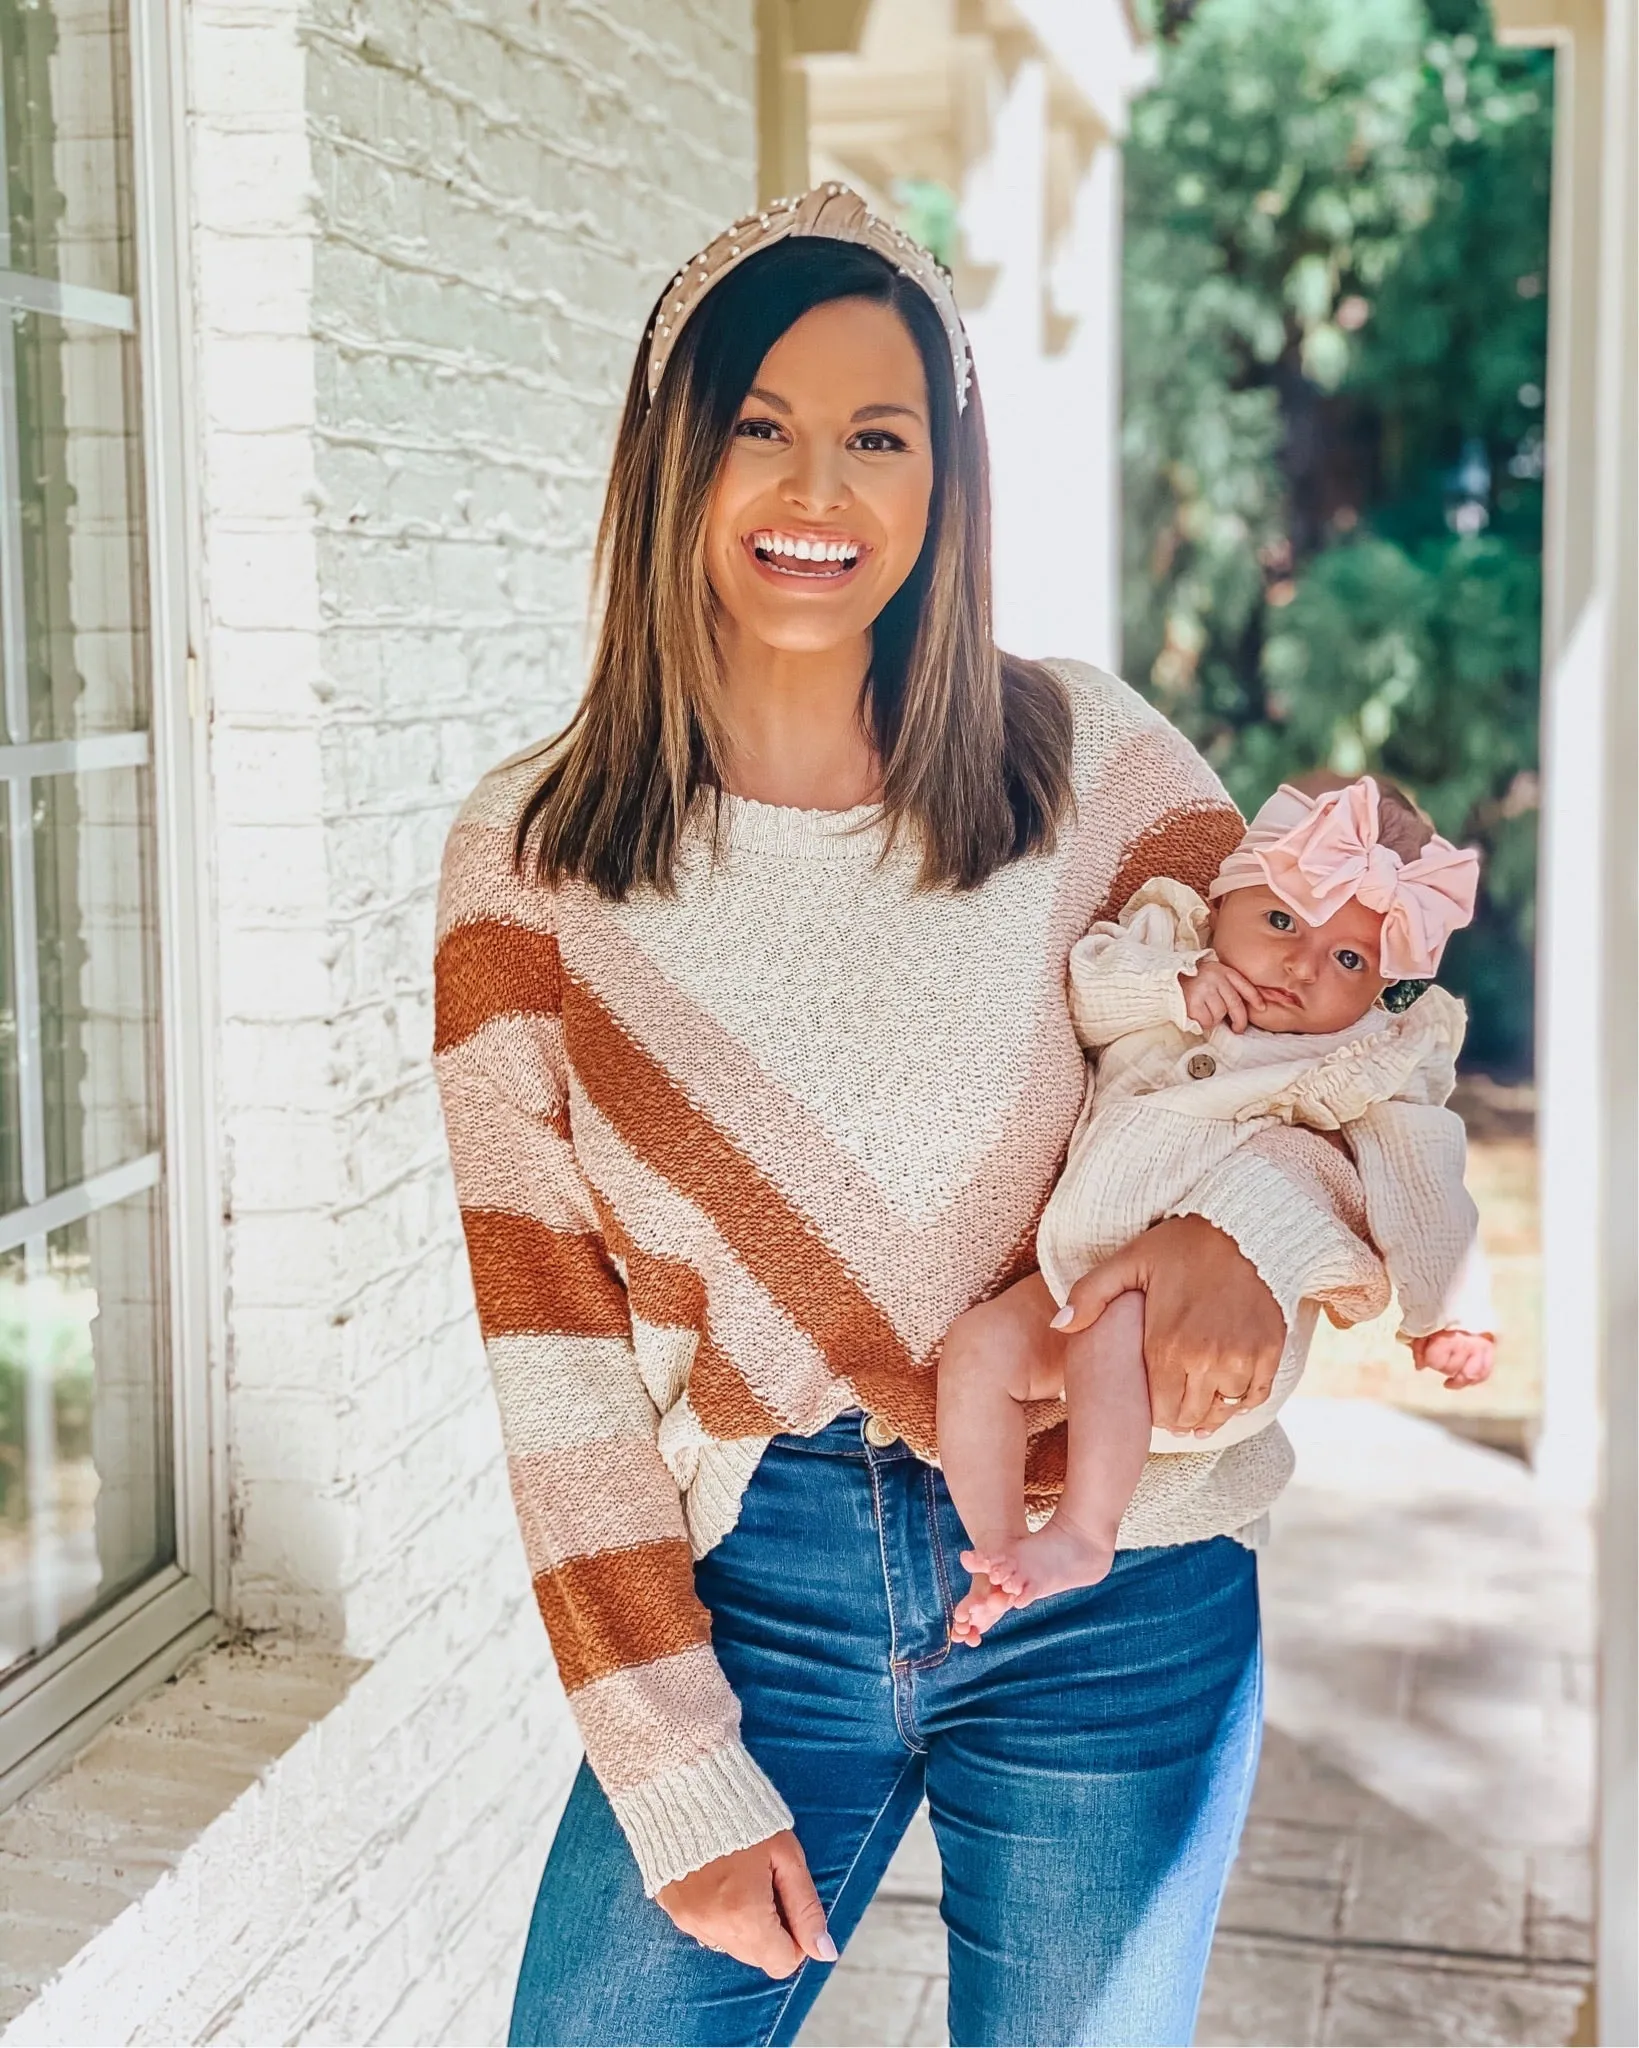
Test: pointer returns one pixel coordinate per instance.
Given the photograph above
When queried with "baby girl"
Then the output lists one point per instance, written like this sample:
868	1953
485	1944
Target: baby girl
1209	1024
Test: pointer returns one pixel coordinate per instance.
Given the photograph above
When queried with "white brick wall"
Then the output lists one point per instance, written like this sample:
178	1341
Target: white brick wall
424	235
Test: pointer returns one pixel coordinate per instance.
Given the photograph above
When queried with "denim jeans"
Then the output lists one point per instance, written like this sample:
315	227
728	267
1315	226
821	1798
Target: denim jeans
1087	1770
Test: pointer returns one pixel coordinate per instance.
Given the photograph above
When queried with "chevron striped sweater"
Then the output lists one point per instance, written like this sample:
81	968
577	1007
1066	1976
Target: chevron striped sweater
730	1160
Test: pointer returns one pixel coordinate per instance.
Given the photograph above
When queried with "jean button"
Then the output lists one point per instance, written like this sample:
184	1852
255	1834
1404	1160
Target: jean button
878	1434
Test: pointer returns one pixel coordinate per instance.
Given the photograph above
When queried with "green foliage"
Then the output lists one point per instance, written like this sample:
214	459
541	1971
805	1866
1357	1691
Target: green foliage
1336	339
46	1330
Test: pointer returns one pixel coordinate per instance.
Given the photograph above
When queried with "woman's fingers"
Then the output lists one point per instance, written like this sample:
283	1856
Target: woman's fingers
800	1906
1210	1323
1201	1391
1092	1294
736	1906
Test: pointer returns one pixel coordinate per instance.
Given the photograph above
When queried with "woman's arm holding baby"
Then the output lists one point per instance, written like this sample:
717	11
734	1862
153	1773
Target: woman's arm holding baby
1213	1331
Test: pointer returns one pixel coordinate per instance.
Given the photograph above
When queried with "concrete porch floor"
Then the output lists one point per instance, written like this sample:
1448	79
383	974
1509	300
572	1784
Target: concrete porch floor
1416	1867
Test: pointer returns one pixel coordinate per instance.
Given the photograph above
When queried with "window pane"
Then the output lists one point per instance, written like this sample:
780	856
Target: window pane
11	1139
68	150
85	1495
80	492
94	897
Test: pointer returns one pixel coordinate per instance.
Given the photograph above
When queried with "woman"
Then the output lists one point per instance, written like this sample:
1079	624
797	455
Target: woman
755	1057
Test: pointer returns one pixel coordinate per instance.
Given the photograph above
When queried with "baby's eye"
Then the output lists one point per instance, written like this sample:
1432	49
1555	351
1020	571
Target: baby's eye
1281	920
1349	960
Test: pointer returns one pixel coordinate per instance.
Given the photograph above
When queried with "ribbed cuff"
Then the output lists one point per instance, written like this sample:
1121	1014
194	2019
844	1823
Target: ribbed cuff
689	1816
1293	1244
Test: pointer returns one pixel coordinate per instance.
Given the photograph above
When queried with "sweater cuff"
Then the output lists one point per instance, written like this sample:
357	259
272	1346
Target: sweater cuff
1299	1249
689	1816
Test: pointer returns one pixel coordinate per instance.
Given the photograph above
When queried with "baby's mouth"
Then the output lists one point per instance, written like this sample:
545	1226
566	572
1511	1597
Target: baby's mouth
810	557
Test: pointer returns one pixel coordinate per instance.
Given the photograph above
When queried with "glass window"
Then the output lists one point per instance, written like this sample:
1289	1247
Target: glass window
86	1495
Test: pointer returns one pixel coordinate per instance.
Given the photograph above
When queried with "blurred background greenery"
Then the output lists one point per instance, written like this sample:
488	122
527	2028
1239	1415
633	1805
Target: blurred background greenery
1336	343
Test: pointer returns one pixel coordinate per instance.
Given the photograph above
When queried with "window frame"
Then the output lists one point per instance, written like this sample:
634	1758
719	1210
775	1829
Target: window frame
55	1704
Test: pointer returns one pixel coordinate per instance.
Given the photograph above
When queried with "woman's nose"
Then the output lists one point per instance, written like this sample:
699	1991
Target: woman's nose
814	483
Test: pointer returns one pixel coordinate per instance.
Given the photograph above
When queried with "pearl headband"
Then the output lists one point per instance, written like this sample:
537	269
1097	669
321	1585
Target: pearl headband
841	216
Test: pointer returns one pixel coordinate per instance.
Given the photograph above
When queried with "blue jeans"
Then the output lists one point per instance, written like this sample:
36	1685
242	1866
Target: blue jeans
1087	1770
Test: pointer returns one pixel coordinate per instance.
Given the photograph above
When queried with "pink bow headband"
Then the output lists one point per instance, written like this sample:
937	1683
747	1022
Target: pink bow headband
1318	852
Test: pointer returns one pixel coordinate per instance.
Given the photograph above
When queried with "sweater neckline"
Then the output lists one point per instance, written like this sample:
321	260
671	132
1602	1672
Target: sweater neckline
745	822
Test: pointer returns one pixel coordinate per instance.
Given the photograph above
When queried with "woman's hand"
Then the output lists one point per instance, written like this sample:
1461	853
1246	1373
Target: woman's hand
758	1905
1213	1333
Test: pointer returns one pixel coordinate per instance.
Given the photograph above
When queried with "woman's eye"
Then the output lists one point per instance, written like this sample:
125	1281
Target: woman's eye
758	430
1281	920
877	441
1350	961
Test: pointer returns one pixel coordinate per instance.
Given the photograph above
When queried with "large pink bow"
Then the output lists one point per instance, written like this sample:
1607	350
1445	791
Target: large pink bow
1318	852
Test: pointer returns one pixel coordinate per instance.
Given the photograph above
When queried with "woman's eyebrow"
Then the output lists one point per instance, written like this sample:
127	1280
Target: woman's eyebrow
880	412
772	399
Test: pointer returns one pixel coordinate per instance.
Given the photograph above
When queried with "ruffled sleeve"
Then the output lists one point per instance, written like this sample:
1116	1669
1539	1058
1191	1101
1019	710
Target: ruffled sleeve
1124	975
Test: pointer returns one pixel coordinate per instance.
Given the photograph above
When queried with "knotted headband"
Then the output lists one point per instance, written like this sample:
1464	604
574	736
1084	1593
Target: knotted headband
1318	852
829	210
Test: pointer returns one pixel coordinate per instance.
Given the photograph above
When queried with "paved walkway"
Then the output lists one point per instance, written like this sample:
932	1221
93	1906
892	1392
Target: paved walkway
1415	1870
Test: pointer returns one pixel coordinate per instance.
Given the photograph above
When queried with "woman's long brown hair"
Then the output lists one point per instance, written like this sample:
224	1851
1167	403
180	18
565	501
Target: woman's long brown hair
974	744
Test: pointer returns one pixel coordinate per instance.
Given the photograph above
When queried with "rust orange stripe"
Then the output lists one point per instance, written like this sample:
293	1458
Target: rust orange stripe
775	1243
672	1295
529	1280
492	969
1189	845
617	1608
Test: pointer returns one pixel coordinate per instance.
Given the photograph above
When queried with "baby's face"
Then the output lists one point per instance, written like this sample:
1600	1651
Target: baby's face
1309	977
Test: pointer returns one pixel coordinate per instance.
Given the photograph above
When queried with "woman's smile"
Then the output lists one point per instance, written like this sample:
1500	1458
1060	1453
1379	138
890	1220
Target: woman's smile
805	557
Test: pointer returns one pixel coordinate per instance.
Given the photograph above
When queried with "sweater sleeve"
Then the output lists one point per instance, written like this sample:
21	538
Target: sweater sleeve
1124	976
601	1516
1411	1157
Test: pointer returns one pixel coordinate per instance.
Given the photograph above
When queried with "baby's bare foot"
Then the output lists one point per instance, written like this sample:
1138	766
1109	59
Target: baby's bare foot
980	1606
985	1601
1055	1559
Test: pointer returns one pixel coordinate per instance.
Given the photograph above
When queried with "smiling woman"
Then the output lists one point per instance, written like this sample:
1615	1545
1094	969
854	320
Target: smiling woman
757	1062
811	396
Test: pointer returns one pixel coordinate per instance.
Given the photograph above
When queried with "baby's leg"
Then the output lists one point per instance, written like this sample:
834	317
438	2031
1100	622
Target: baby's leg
1107	1394
992	1363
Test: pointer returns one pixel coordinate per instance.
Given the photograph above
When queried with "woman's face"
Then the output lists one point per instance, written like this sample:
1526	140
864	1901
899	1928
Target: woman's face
821	505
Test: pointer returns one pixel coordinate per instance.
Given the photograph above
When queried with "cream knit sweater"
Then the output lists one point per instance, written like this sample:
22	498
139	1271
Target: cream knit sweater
1167	1104
730	1160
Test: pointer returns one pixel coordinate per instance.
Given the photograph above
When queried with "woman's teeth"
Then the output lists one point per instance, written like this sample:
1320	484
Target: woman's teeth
781	549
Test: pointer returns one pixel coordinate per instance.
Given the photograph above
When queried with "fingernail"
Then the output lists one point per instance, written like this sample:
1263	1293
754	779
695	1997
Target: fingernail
1065	1317
827	1949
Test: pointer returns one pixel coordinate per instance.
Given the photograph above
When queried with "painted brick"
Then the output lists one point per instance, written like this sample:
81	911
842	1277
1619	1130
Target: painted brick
425	235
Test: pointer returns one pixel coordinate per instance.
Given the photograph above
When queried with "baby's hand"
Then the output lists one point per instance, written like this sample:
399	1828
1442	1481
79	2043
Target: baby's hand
1216	994
1460	1357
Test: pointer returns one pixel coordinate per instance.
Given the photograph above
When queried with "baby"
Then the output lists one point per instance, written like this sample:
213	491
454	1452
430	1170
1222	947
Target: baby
1210	1024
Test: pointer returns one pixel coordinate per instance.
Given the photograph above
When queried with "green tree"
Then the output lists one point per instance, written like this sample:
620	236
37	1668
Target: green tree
1336	255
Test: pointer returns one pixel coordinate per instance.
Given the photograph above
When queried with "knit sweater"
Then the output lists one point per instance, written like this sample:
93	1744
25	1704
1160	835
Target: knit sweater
731	1159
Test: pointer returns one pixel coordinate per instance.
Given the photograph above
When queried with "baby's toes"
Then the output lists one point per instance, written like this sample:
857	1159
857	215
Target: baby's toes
1006	1575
